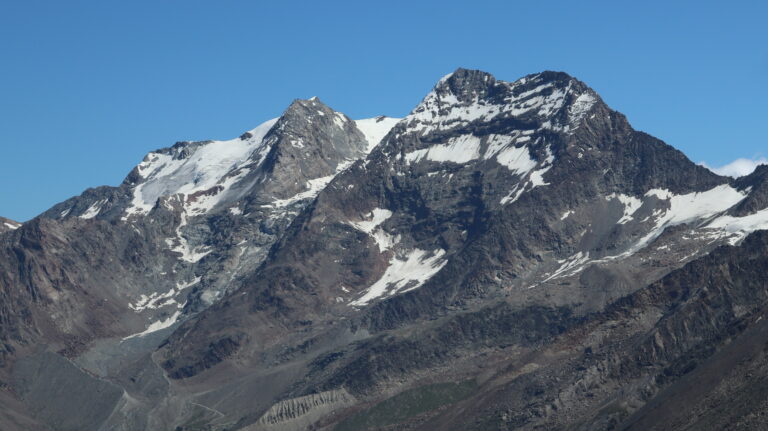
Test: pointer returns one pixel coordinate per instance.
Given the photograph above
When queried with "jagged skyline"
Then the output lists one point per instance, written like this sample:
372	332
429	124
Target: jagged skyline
516	251
90	88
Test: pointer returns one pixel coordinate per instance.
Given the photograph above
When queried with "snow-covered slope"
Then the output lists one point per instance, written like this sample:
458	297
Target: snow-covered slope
203	172
375	129
202	169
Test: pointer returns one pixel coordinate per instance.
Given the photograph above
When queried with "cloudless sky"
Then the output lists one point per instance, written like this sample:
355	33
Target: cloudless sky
88	87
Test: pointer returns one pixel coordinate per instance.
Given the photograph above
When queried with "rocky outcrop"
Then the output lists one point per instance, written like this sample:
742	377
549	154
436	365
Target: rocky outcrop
300	413
657	359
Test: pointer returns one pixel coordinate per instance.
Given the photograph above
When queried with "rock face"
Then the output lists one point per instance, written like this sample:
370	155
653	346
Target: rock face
510	255
300	413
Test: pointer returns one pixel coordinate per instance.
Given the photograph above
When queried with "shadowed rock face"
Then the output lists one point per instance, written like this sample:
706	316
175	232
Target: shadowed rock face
511	255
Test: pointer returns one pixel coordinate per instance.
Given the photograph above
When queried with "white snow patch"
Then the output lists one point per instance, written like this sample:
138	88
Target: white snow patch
442	110
208	165
371	227
158	325
570	266
374	129
314	186
537	177
179	244
156	300
566	215
496	143
460	149
631	205
235	211
339	119
93	210
740	227
514	194
579	109
687	208
404	274
517	160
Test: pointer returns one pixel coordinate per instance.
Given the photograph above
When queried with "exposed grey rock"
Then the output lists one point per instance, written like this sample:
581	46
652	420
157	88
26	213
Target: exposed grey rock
63	396
300	413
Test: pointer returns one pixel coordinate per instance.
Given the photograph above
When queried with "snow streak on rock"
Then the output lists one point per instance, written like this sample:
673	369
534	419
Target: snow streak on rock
371	226
93	210
631	205
533	96
736	228
404	273
461	149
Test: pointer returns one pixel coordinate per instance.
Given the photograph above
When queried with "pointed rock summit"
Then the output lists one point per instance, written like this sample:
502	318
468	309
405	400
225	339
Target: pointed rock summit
549	100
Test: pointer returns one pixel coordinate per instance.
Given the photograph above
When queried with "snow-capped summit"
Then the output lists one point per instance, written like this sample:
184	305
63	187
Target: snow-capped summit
552	100
279	159
197	168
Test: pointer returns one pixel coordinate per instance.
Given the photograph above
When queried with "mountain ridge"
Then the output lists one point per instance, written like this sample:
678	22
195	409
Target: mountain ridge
494	242
710	179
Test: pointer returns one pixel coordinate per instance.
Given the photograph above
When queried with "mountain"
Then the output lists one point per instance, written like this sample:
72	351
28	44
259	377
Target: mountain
510	255
188	219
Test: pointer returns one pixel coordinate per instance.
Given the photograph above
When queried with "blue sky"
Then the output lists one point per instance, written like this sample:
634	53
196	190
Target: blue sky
87	88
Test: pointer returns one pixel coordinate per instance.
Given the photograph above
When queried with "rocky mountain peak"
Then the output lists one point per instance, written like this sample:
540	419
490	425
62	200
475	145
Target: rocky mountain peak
466	85
309	140
306	108
548	100
304	120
